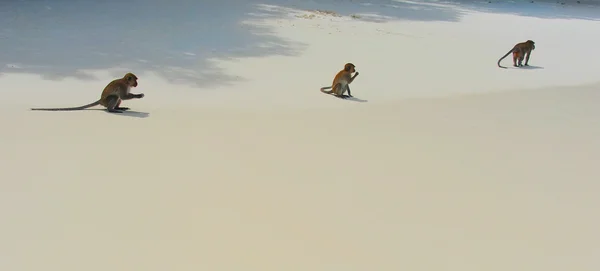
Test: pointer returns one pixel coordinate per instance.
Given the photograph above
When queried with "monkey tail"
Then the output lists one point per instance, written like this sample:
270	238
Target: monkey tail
511	50
69	108
327	92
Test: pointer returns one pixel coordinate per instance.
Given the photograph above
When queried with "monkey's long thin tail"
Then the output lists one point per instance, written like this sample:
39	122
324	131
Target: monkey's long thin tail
511	50
324	88
69	108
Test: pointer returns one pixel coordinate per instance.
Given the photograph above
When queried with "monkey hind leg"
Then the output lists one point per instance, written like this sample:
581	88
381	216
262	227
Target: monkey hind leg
118	106
348	90
520	61
338	90
526	60
112	102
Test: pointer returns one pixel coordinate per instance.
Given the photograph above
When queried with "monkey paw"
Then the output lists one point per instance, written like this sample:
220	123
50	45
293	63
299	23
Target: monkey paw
141	95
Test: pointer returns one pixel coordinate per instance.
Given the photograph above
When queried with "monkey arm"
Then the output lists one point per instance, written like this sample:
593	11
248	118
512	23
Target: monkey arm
352	78
130	96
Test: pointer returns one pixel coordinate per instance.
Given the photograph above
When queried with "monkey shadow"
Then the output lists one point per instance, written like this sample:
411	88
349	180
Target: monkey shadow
128	113
354	99
526	68
133	114
532	67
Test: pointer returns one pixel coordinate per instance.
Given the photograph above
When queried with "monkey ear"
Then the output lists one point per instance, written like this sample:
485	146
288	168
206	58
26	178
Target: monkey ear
347	68
129	78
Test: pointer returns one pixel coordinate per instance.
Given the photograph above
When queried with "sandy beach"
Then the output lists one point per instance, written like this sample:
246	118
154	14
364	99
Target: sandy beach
234	160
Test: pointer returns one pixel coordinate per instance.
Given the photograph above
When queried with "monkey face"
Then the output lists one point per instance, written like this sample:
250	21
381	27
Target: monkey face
131	79
349	67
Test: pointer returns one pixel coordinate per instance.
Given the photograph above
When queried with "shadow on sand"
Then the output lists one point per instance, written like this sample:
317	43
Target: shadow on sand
354	99
523	68
347	98
530	68
129	113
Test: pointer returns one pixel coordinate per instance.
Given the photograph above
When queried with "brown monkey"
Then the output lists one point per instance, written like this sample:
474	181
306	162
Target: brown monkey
341	82
111	97
520	51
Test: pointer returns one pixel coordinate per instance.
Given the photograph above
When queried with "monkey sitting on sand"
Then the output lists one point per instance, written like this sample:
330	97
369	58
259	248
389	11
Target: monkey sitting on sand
111	97
341	82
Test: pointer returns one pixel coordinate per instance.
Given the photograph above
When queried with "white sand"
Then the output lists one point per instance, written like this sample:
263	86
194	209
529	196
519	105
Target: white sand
442	162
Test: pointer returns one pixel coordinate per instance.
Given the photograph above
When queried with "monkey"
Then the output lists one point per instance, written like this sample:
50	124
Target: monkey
111	97
520	51
341	82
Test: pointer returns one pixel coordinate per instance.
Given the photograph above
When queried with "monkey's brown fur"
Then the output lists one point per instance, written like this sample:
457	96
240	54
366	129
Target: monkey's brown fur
111	97
520	51
341	82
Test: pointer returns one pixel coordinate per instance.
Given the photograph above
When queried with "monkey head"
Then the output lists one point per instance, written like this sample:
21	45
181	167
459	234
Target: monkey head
349	67
532	44
131	79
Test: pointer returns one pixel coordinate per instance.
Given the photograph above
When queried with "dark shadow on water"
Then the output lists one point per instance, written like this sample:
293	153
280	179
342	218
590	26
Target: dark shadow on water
173	39
178	39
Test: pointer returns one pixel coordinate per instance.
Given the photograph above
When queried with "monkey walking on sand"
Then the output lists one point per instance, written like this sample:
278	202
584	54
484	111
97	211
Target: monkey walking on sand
341	82
113	94
519	51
